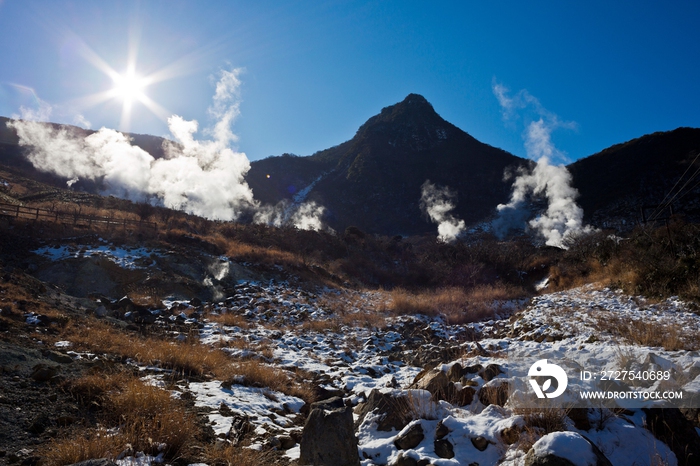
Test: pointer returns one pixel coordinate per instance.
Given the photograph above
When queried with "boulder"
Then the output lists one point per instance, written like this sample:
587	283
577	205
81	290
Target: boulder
43	373
435	381
490	372
494	392
455	372
441	387
480	443
404	460
328	438
580	418
410	438
441	430
460	396
394	410
443	448
286	442
565	449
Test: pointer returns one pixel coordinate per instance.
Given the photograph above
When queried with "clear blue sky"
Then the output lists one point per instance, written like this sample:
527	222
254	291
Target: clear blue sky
315	70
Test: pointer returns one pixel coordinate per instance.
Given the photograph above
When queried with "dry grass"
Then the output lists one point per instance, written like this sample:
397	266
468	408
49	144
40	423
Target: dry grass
230	455
670	336
457	305
149	419
540	422
349	308
92	388
148	296
90	444
258	374
189	358
229	319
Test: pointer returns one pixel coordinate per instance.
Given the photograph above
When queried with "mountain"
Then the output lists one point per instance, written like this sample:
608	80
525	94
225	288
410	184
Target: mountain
617	182
373	181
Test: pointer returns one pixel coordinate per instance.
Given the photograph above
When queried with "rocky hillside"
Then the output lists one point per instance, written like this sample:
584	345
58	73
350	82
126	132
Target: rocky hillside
271	373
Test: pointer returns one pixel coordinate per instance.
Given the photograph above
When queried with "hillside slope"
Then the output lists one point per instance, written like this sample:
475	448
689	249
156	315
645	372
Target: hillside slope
615	183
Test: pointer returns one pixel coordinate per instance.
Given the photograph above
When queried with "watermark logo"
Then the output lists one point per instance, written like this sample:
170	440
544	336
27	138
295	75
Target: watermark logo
542	368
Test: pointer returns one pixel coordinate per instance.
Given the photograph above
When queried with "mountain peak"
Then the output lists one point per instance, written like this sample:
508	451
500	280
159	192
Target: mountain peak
410	120
413	104
416	100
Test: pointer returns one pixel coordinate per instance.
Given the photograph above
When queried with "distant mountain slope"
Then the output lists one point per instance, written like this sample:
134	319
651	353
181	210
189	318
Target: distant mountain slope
615	183
12	154
373	181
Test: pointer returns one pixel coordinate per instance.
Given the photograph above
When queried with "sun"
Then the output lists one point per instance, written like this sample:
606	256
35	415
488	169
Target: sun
129	87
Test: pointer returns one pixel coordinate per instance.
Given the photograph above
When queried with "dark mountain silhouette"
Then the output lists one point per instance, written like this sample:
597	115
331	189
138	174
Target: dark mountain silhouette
373	181
617	182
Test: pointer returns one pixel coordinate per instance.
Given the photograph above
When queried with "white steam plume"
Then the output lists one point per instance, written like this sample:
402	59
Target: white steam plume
437	203
306	216
563	217
201	177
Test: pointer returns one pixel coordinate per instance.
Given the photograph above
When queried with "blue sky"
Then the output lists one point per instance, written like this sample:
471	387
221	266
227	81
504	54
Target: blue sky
314	71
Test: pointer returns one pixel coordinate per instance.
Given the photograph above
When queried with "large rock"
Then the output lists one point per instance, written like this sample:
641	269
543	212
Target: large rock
328	438
443	448
402	460
490	372
435	381
394	410
494	392
411	438
440	386
565	449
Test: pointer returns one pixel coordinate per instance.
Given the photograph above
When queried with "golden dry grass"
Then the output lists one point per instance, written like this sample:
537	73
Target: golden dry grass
671	336
183	357
229	319
146	418
231	455
188	358
456	304
88	445
259	374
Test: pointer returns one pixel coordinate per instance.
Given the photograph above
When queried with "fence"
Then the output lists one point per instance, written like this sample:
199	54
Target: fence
72	218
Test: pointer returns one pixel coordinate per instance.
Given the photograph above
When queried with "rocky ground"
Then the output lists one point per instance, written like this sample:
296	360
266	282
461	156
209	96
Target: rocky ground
400	390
